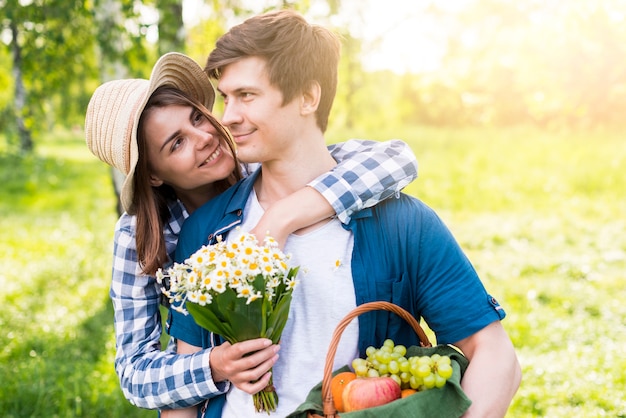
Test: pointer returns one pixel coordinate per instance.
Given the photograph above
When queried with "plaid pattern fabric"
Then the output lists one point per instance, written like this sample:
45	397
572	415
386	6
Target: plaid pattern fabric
370	172
150	378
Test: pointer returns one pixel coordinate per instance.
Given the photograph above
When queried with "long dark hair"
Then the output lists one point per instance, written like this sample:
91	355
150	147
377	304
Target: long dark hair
152	203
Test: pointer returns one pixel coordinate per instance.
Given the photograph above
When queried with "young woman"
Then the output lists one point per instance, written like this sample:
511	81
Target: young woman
176	156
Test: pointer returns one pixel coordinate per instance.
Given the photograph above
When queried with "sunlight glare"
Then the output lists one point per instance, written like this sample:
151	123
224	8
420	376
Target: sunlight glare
397	35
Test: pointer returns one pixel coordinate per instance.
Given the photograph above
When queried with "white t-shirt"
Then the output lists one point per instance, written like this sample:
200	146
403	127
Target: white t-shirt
323	296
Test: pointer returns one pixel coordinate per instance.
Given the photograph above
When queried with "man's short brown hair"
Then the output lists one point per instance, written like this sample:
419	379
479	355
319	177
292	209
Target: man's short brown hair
296	54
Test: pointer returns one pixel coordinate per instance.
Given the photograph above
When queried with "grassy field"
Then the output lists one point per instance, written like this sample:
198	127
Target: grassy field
541	216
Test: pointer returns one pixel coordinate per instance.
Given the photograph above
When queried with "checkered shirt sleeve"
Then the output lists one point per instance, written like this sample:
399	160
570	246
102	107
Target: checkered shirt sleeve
151	378
368	172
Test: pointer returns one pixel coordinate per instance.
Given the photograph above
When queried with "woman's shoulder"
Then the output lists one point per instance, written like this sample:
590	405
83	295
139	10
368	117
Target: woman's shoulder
126	225
232	199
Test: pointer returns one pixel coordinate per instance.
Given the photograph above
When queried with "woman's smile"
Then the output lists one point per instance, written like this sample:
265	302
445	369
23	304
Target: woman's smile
214	155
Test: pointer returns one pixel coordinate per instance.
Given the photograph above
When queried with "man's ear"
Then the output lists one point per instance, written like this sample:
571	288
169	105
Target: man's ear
155	181
311	98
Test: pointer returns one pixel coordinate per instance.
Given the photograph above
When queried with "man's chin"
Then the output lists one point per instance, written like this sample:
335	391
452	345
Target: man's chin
246	157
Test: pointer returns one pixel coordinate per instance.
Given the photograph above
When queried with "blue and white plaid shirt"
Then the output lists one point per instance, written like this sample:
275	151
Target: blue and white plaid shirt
368	173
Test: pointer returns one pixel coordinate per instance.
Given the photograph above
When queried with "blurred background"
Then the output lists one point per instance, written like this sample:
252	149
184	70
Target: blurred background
549	64
514	109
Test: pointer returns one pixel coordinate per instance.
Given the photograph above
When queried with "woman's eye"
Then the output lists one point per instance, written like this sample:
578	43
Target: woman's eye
176	143
198	117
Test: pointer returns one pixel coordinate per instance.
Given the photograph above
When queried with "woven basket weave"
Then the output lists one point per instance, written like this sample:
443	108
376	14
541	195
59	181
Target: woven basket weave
327	397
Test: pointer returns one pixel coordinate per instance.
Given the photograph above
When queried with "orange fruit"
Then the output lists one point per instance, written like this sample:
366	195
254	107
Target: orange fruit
407	392
337	385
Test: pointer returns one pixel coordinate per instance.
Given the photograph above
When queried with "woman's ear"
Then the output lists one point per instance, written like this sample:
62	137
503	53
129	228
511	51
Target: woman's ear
311	98
155	181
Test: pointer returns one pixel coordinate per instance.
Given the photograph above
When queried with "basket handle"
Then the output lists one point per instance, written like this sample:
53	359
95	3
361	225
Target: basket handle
329	406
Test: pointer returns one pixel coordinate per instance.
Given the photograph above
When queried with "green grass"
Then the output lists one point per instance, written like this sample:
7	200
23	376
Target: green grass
540	216
57	212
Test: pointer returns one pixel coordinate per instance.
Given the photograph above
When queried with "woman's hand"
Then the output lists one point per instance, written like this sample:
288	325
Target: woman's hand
245	364
294	213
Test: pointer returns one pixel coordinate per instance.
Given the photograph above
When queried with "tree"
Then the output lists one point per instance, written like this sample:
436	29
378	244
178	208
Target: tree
25	139
48	59
117	48
171	27
11	21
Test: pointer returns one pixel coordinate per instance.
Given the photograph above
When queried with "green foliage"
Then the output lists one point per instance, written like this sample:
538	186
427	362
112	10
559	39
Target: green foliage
6	82
171	33
554	65
57	211
64	50
52	54
539	215
201	39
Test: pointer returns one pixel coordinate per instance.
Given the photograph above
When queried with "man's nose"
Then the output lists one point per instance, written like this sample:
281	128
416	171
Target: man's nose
231	115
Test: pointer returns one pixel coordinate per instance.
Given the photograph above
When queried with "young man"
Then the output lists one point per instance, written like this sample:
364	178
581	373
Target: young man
277	75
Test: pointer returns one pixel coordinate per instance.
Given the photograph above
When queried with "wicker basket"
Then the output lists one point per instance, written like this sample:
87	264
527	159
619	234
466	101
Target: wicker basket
327	397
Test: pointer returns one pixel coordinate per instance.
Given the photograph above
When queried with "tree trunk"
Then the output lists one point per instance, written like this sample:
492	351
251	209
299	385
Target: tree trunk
171	26
109	17
26	141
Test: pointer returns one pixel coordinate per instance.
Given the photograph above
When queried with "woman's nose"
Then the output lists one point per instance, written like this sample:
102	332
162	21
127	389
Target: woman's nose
204	138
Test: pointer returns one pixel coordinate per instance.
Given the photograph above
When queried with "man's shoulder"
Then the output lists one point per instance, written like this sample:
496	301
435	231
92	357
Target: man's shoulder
402	213
402	203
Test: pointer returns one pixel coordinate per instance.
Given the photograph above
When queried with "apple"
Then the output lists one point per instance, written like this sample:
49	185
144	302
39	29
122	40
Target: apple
367	392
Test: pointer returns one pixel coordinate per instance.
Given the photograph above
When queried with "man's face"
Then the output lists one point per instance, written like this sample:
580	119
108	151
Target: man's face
262	126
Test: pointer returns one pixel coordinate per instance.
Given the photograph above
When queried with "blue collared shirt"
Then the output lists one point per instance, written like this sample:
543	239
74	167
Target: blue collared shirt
403	254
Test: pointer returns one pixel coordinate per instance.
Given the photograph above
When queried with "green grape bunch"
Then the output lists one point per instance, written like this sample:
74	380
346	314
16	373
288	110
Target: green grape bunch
417	372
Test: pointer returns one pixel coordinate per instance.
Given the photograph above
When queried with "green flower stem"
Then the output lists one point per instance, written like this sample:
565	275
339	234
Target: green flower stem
267	399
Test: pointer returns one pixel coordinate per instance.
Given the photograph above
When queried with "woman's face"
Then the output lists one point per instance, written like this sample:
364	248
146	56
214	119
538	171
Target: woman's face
185	151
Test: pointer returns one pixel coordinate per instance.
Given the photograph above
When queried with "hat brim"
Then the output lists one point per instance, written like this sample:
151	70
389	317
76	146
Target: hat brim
176	70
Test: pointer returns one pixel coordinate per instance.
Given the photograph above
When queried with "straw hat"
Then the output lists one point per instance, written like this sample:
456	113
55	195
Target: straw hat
115	107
